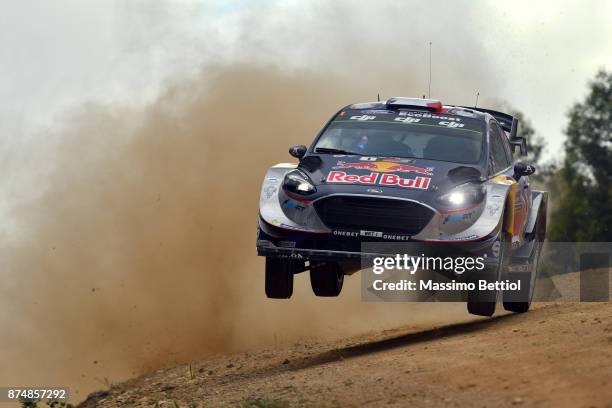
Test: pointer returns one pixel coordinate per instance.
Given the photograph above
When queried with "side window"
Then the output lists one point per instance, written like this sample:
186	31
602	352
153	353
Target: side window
506	144
497	151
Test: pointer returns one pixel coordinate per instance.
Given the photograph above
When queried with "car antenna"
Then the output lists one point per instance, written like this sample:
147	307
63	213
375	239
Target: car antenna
476	103
429	89
378	97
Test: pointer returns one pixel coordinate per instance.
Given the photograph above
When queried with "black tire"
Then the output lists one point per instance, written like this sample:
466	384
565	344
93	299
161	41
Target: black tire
540	234
517	304
483	303
279	277
480	308
326	278
517	307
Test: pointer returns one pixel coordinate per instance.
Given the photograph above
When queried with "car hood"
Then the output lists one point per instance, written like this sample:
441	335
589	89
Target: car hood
416	179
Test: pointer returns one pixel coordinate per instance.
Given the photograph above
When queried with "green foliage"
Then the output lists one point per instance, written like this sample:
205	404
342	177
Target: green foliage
582	187
535	142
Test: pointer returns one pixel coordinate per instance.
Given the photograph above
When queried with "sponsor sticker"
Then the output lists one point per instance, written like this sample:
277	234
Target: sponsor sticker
450	124
493	209
385	167
421	183
363	117
418	182
388	159
341	233
457	217
371	234
269	191
496	248
379	112
407	120
461	238
396	237
429	116
289	203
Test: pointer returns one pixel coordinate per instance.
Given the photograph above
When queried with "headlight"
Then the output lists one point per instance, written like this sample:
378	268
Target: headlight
463	195
297	182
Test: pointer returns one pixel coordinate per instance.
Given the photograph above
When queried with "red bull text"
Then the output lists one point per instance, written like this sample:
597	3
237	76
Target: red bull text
421	183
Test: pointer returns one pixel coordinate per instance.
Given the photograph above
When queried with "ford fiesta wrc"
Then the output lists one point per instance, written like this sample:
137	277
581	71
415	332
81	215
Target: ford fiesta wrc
446	178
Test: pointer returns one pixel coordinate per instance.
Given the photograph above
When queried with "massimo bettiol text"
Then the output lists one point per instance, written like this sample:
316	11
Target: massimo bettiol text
457	265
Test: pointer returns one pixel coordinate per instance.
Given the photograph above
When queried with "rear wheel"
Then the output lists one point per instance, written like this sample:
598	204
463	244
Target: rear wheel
326	278
528	282
279	277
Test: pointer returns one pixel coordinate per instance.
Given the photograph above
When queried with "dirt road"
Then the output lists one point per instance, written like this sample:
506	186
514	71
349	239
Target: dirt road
557	355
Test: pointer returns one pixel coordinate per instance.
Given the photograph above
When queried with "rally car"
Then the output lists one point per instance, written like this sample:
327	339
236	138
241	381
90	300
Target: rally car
403	170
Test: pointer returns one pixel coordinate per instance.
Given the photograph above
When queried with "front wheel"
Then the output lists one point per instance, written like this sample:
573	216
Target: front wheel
326	278
483	303
279	277
481	308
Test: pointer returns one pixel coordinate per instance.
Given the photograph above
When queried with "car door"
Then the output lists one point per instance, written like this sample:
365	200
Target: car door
521	196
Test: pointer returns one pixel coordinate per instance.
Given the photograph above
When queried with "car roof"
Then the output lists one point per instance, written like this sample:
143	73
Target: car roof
432	106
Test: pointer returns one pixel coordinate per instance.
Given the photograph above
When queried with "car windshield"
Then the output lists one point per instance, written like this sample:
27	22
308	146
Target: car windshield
400	134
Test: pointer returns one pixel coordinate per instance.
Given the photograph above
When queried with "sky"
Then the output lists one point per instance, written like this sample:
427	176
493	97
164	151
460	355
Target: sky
538	56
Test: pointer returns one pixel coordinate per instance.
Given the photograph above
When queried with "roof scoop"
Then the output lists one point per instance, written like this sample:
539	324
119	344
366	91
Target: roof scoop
431	105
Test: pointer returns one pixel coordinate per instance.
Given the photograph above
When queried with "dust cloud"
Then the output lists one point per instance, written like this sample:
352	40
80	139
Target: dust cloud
139	250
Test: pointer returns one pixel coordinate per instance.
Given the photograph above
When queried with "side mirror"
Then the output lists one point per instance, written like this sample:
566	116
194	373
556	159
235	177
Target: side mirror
521	142
522	169
298	151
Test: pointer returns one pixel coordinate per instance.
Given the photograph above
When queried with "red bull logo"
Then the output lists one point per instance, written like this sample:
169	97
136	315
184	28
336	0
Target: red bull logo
386	167
421	183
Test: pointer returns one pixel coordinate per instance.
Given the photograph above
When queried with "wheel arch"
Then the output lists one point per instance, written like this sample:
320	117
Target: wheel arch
538	215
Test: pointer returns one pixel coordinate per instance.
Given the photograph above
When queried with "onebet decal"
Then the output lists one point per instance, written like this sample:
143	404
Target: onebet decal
371	234
391	180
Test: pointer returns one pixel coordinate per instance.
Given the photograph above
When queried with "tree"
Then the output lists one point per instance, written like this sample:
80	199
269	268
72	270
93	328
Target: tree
535	142
582	188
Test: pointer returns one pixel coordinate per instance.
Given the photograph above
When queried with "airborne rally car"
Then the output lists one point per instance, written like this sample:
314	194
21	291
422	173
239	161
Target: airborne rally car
403	170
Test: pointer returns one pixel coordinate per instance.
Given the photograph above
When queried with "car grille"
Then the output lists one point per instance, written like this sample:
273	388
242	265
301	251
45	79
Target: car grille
380	214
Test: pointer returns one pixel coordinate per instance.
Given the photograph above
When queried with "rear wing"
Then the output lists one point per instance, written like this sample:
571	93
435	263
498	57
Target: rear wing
510	124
